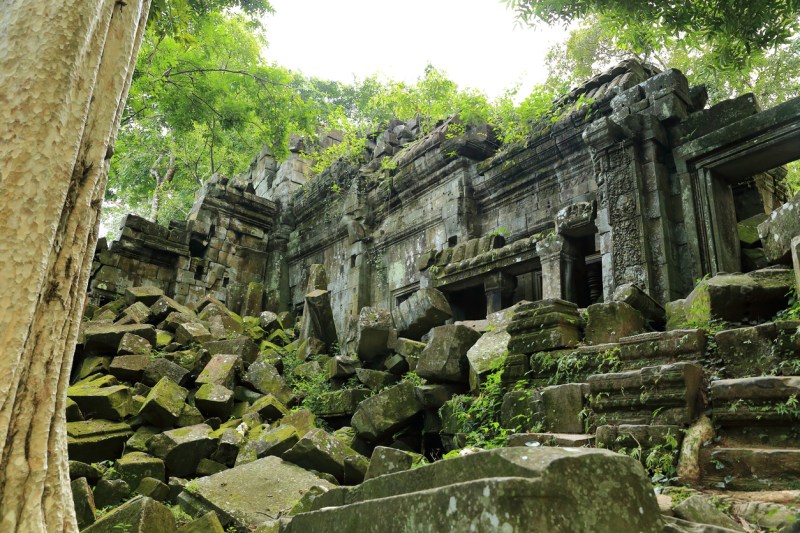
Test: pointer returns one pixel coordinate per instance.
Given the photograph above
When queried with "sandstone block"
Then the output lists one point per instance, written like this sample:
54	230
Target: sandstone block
140	514
214	400
609	322
445	356
320	451
373	332
129	367
382	415
164	404
423	310
183	448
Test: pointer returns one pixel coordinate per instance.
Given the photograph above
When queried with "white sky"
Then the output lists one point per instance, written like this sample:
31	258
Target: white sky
475	42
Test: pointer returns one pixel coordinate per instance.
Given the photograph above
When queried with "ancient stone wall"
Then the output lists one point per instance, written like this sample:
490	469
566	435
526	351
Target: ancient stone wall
612	189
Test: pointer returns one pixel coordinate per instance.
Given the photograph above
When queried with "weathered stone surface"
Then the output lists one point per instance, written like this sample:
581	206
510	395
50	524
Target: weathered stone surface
486	355
633	295
389	460
408	348
676	314
397	365
662	347
383	414
445	356
268	408
73	412
83	500
435	395
183	448
742	298
192	333
135	466
129	367
341	403
147	295
137	313
131	344
482	492
214	400
373	330
164	404
276	441
318	318
139	515
609	322
569	440
341	367
243	346
153	488
221	370
272	485
77	470
698	508
318	450
164	306
759	350
138	441
779	229
110	492
375	379
110	403
104	339
796	262
160	368
423	310
266	379
561	407
207	523
667	394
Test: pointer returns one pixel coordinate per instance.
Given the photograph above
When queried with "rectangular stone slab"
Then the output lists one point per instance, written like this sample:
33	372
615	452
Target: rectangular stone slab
252	494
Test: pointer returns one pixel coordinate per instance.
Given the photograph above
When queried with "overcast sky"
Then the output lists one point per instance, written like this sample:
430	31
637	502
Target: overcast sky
474	41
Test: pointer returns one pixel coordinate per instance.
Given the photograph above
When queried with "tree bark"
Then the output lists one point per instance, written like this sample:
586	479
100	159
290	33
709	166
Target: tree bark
161	180
65	71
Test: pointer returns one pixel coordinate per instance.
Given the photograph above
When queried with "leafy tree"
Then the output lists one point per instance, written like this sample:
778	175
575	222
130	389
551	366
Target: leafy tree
733	29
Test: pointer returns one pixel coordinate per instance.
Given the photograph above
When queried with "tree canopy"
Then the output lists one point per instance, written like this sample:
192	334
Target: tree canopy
732	29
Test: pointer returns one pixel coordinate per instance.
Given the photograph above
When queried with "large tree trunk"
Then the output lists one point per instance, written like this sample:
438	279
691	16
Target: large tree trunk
65	69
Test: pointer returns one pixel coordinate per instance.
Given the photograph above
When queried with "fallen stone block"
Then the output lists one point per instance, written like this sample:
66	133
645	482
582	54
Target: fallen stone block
268	408
779	229
609	322
741	298
697	508
445	356
251	495
243	346
318	318
266	379
192	333
96	440
533	440
164	405
562	407
633	295
131	344
207	523
183	448
318	450
373	332
476	491
83	500
374	379
341	403
110	403
423	310
221	370
135	466
111	492
276	441
341	367
129	367
137	313
214	400
486	356
164	306
387	412
390	460
147	295
103	339
153	488
140	514
160	368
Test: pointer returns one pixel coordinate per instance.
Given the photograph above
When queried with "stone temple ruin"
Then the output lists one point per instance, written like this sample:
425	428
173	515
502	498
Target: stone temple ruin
570	260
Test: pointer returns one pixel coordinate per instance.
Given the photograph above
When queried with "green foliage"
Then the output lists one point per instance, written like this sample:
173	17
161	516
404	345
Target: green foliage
660	460
732	29
181	517
479	416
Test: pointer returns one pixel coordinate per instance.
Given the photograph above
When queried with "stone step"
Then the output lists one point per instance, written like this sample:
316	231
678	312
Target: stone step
757	412
664	394
569	440
750	468
662	347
